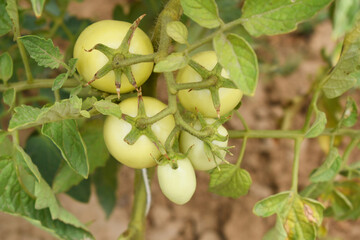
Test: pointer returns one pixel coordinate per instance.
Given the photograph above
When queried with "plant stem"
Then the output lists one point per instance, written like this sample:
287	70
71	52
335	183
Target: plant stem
354	142
296	163
311	109
292	134
242	152
136	227
242	121
37	83
25	60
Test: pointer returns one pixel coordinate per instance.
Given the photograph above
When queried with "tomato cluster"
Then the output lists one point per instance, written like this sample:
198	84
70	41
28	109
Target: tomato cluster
138	144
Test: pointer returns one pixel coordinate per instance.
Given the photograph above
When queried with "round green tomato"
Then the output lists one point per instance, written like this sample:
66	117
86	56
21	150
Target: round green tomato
197	154
200	100
179	184
141	153
111	34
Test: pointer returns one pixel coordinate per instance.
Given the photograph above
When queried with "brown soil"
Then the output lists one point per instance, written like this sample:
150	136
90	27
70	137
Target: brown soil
269	161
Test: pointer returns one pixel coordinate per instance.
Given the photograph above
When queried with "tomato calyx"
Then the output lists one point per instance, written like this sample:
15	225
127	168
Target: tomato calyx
117	59
216	81
139	130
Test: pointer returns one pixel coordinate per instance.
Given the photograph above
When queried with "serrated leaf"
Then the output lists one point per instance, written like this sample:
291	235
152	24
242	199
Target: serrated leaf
105	180
6	67
177	31
318	126
85	114
300	217
9	97
203	12
238	57
350	115
88	103
21	156
12	11
15	201
42	51
329	169
92	134
66	137
229	181
271	17
344	18
27	116
72	66
5	21
347	71
108	108
59	81
37	6
171	63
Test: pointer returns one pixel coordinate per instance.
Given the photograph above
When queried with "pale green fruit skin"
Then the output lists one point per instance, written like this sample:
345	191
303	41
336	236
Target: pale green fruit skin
142	153
178	185
200	100
111	34
197	153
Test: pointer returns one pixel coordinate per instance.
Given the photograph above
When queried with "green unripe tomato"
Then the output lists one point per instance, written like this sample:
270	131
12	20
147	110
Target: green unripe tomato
179	184
201	100
111	34
142	152
197	155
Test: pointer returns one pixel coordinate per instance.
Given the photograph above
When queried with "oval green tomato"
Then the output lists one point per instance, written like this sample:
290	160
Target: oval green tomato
111	34
178	185
200	100
142	152
197	154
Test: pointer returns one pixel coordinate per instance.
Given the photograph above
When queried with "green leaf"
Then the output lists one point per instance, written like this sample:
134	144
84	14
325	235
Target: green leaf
105	180
314	190
344	18
271	17
350	115
5	21
81	192
300	217
6	146
37	6
203	12
171	63
229	181
59	81
6	67
318	126
67	138
270	205
329	169
108	108
177	31
9	97
61	78
27	116
92	134
278	232
42	51
45	155
15	201
238	57
346	72
12	11
21	157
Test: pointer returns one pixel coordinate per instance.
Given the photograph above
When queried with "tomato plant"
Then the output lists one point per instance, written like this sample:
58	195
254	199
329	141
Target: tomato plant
66	129
178	184
142	153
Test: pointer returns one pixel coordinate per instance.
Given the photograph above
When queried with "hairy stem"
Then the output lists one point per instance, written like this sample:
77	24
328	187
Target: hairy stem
296	163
